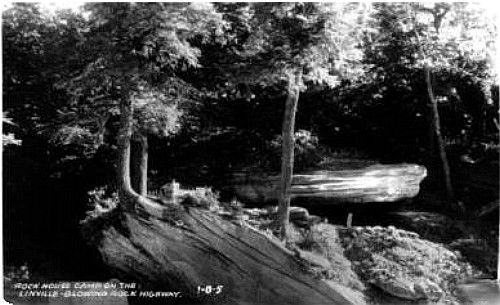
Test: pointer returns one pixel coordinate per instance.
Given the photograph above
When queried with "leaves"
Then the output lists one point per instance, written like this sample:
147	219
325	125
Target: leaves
320	40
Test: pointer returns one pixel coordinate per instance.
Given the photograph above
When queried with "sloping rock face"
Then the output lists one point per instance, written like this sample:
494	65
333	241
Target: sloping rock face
183	246
402	265
377	183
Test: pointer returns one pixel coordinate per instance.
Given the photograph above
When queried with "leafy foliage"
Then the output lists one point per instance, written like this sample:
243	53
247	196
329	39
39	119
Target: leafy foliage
136	49
276	40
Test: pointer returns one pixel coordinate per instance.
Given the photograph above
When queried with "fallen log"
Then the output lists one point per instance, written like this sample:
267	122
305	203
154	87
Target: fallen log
185	247
377	183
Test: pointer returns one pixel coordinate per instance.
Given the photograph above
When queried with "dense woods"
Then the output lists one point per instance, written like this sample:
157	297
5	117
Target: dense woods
363	113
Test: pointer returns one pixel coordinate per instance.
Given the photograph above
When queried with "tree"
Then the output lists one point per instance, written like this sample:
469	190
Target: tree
38	50
440	50
157	111
438	12
291	45
134	49
437	53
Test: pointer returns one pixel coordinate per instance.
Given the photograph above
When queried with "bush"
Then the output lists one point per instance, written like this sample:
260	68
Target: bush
201	197
308	151
404	265
101	200
16	274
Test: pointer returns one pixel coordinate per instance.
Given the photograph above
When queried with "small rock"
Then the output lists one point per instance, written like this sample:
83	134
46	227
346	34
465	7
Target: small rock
241	217
434	291
314	220
428	290
313	259
298	213
236	204
301	223
224	213
272	209
399	288
254	223
307	222
253	212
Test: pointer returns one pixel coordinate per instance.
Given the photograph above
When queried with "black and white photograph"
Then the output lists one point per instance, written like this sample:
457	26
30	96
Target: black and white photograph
250	153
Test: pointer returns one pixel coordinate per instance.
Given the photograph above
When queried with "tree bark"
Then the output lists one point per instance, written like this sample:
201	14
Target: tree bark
125	191
139	165
438	137
431	137
434	113
480	115
287	154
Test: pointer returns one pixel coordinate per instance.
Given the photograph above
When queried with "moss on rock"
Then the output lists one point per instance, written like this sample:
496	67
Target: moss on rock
403	265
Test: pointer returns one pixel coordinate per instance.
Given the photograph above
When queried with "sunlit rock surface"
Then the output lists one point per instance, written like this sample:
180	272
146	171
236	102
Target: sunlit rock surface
403	265
377	183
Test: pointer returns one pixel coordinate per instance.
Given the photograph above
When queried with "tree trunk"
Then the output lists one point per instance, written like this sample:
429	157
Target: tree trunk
431	137
139	165
287	154
125	191
436	125
438	137
479	117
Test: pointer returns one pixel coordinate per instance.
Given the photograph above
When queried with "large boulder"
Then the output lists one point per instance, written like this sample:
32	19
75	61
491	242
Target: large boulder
403	265
377	183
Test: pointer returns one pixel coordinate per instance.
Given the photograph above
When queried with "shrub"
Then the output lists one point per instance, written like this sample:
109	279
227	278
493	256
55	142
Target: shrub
101	200
308	151
17	274
201	197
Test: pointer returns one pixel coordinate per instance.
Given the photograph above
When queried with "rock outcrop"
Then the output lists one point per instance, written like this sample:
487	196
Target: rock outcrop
402	265
377	183
183	246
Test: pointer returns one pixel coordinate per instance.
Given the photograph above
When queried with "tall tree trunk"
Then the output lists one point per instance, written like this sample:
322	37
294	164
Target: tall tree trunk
437	134
139	164
125	191
434	113
479	117
287	154
431	138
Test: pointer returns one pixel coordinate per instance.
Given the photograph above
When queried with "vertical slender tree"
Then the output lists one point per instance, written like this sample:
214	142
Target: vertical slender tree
438	13
291	45
446	36
157	112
